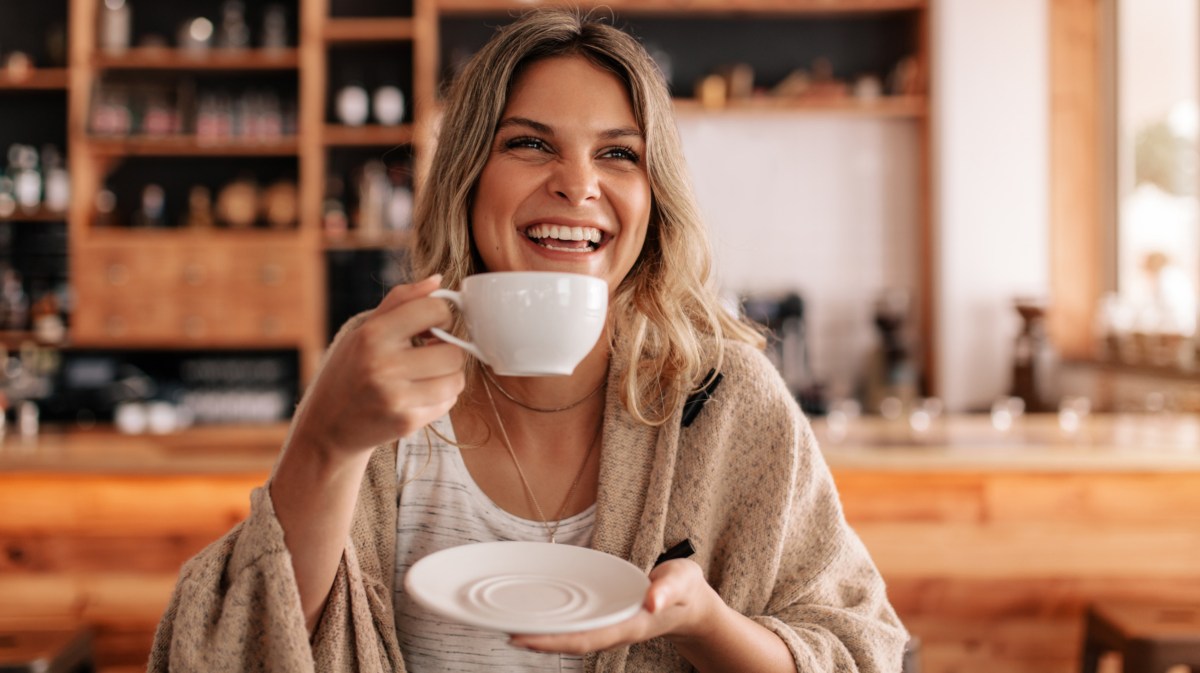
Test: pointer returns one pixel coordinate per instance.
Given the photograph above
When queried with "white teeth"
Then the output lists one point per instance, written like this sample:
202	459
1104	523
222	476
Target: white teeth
564	233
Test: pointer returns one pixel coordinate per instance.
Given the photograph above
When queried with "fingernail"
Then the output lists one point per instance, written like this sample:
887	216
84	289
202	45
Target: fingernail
656	604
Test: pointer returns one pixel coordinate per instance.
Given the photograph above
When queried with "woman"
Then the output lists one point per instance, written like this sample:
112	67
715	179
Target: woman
557	152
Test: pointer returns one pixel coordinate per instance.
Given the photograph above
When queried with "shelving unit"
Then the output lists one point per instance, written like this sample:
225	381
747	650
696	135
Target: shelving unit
12	340
39	79
887	106
373	135
410	43
41	215
190	146
368	30
182	60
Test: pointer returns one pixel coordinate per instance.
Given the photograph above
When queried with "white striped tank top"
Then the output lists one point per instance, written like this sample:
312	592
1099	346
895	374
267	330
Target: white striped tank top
441	506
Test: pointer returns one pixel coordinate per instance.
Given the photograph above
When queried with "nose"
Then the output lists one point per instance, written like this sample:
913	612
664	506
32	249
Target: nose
575	180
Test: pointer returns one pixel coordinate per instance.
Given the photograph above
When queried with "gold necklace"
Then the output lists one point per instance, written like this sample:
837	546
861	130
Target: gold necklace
542	410
550	531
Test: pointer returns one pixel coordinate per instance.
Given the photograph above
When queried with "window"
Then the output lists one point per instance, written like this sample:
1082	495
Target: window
1157	247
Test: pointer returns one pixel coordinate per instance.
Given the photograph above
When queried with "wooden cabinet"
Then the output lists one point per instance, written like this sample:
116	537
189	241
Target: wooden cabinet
183	293
182	288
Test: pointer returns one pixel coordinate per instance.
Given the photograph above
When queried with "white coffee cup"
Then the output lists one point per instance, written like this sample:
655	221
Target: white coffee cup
529	323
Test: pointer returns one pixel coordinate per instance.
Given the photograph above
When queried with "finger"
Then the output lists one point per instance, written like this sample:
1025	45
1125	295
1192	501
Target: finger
584	642
669	583
398	325
429	392
430	361
402	294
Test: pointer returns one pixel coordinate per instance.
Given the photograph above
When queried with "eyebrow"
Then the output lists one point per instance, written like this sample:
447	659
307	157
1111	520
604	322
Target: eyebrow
623	132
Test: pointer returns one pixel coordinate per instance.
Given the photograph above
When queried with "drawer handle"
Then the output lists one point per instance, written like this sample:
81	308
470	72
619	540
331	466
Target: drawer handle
271	274
193	326
117	274
194	274
271	325
114	326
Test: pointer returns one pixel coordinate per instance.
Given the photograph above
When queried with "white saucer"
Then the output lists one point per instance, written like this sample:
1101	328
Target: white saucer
527	587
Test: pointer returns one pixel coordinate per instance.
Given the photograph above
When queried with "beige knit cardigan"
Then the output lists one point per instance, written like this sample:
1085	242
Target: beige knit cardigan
745	483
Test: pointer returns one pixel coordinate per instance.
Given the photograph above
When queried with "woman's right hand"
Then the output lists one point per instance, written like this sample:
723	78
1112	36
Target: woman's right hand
375	385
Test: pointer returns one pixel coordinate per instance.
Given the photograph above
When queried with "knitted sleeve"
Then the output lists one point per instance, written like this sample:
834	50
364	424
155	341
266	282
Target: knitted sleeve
829	603
236	605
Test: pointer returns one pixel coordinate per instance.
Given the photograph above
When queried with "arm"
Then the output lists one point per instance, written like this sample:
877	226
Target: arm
681	606
255	598
792	586
374	387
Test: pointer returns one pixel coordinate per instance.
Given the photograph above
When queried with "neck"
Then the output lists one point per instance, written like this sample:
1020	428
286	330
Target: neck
563	393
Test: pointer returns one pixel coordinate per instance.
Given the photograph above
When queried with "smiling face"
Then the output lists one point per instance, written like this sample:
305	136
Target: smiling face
565	185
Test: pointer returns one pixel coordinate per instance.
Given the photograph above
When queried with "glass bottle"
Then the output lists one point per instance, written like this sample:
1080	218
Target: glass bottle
116	21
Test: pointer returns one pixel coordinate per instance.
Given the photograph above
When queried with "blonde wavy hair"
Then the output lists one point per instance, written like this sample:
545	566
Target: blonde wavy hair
666	315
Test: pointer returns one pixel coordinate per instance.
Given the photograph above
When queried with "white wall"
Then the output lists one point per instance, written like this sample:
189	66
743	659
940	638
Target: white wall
991	207
826	205
822	205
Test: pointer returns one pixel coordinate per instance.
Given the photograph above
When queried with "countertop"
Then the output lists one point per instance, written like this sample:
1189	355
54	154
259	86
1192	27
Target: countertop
1034	442
1157	443
245	449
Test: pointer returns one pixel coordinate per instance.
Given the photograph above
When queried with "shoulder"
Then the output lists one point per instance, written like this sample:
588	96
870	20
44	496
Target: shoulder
750	382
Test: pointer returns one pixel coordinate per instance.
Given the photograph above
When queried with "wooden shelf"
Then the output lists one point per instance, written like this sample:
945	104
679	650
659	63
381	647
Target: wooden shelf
190	146
12	340
197	236
161	58
1166	372
337	135
38	79
888	106
349	31
354	241
40	215
695	6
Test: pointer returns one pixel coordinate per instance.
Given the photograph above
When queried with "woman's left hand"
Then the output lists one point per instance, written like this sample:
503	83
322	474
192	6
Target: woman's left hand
678	603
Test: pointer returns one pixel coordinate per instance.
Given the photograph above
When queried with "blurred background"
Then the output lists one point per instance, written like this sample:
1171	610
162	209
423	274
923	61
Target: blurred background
970	225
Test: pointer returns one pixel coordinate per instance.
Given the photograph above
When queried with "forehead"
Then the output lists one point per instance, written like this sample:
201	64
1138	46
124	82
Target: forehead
571	88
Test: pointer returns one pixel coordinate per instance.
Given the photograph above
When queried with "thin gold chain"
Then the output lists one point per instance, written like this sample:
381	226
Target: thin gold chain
552	532
542	410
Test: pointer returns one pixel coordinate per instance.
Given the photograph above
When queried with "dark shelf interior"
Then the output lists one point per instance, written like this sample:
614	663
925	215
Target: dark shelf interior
697	46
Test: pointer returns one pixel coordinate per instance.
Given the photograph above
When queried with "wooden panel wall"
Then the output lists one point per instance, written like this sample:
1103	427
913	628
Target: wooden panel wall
1077	159
992	569
105	551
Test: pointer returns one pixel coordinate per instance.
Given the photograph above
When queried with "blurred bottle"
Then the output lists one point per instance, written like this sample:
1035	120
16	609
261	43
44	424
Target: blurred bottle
14	303
1034	360
274	31
374	192
58	180
892	375
115	25
153	204
27	180
234	32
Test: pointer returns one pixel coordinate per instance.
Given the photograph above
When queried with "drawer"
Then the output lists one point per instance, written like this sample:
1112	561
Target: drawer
276	269
105	321
190	294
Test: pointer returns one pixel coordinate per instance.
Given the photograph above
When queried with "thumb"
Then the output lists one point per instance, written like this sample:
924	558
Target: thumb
404	293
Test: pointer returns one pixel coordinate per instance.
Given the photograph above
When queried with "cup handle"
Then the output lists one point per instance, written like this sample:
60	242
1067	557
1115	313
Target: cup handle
456	299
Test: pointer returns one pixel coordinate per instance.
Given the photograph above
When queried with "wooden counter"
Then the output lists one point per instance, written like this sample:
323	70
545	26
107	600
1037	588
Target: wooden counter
95	525
991	542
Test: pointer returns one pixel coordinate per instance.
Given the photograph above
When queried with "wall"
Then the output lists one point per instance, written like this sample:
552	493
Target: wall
991	207
825	205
